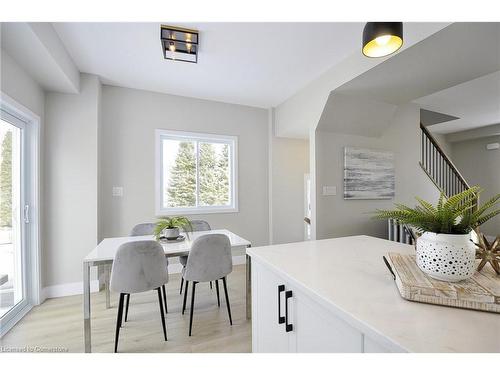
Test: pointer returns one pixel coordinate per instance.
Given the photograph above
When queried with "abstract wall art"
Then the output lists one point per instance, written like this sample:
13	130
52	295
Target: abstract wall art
368	174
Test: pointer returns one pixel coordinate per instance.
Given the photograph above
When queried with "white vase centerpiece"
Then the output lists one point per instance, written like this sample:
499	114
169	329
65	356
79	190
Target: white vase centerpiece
169	227
446	257
444	250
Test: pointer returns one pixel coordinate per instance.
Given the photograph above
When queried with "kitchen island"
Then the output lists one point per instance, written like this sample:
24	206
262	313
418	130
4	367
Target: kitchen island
337	295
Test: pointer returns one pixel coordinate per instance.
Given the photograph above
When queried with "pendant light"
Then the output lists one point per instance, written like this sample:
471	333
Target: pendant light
179	44
382	38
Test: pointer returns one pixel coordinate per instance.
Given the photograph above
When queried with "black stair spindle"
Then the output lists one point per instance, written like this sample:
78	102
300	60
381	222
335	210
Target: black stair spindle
441	170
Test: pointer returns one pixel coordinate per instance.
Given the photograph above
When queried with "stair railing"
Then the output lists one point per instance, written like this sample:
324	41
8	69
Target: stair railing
440	169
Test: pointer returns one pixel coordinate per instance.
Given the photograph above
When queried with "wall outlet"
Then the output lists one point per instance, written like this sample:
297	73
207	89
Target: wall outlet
117	191
329	190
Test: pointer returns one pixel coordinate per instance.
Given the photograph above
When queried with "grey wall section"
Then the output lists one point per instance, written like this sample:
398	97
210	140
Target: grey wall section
443	142
338	217
17	84
290	161
480	167
129	118
70	185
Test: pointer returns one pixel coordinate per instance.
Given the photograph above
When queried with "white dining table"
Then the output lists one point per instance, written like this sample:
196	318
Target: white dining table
104	254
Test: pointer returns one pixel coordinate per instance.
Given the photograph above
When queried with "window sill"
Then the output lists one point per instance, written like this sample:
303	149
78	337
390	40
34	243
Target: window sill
196	211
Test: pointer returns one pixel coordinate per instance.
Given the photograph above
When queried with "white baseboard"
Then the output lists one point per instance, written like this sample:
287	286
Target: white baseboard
239	259
71	289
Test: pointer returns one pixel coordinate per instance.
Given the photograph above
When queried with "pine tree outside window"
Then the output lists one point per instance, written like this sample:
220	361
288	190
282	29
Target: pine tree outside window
195	173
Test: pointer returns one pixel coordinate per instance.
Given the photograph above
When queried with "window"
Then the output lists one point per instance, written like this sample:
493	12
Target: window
19	251
196	173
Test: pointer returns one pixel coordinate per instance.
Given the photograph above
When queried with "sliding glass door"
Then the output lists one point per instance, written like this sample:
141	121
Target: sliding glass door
13	217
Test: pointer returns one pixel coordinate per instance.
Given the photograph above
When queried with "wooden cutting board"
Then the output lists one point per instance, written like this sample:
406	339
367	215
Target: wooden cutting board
480	292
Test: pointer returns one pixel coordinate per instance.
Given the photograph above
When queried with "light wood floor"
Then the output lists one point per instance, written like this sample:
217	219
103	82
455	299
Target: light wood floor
58	322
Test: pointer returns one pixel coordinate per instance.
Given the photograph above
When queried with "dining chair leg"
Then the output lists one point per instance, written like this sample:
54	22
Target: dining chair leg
165	298
227	300
192	308
118	320
217	289
162	314
185	296
210	285
182	283
126	306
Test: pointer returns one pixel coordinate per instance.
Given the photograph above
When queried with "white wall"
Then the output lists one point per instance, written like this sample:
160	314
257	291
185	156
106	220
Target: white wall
338	217
480	167
129	118
300	113
442	140
290	161
17	84
71	184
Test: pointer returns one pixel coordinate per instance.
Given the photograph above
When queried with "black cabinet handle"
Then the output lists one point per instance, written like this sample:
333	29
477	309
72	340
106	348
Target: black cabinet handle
281	319
288	327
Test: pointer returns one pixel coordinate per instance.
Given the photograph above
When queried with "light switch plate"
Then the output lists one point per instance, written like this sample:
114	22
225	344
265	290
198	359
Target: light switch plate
117	191
492	146
329	190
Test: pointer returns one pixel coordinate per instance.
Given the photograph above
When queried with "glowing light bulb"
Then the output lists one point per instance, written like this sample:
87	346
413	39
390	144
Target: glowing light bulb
383	40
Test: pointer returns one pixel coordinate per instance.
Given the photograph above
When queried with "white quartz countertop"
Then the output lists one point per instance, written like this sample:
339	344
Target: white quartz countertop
348	276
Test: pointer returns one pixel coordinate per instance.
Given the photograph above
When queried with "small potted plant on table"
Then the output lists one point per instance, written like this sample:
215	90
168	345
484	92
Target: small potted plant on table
444	249
170	227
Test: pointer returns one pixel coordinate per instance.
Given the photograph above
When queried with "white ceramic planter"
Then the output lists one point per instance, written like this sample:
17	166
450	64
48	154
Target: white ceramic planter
172	233
446	257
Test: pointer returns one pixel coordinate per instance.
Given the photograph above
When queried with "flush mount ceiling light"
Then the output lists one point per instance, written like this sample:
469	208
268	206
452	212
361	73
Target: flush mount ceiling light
382	38
179	44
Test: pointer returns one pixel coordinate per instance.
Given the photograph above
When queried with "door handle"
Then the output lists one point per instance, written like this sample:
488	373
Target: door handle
288	327
26	214
281	319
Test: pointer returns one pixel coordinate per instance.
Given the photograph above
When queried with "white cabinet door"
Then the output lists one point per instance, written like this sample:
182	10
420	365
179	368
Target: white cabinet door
268	334
317	330
311	327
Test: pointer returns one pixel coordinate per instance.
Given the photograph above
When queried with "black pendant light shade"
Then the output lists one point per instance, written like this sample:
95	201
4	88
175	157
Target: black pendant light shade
382	38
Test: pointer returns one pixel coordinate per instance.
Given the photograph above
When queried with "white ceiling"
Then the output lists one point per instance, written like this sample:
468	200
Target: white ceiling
437	73
436	63
476	103
257	64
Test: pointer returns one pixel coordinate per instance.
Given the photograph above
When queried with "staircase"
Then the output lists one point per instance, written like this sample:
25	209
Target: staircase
441	171
439	167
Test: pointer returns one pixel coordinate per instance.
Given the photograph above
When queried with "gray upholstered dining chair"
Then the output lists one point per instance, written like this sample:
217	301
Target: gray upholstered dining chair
144	229
209	259
196	226
139	266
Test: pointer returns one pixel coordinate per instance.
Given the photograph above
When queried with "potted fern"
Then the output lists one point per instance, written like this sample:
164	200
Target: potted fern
170	227
444	249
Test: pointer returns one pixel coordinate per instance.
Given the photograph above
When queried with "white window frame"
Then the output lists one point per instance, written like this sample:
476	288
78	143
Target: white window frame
232	141
31	194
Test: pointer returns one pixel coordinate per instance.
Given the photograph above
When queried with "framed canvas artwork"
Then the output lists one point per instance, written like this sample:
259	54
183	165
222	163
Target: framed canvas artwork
368	174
